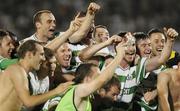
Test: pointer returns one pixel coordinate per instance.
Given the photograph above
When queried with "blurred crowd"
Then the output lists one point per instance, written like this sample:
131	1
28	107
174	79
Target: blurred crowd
16	15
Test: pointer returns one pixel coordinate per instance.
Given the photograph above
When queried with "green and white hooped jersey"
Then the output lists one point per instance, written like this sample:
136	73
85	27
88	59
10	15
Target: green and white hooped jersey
129	79
145	105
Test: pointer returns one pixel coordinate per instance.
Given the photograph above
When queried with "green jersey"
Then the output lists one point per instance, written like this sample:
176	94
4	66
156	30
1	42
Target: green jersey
5	62
67	102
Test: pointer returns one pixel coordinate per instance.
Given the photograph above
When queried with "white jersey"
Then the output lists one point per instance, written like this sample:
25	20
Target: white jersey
38	86
129	79
76	49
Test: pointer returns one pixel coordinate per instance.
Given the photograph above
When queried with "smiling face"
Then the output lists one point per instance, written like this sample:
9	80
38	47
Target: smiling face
157	41
47	24
101	35
130	50
37	58
6	47
63	55
144	47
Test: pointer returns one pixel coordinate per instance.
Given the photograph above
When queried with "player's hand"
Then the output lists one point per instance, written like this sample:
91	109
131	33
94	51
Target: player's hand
170	33
63	87
93	8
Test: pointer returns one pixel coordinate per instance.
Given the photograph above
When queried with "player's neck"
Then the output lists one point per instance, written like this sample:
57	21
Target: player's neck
124	65
24	65
40	36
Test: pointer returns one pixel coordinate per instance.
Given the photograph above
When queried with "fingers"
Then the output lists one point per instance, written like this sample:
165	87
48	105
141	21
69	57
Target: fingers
77	15
170	33
75	24
116	39
68	83
93	8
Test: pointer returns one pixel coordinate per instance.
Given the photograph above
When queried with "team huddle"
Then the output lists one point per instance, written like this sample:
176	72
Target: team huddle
86	69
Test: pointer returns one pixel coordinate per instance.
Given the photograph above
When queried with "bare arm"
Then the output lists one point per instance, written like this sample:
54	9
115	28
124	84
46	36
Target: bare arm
155	62
86	25
90	51
58	41
20	81
162	87
85	89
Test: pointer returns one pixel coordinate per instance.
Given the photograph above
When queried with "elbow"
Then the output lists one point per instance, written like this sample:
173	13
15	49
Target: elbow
82	57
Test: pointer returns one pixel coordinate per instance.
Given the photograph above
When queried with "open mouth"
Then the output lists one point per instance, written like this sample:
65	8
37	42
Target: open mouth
159	50
9	52
66	59
52	30
147	52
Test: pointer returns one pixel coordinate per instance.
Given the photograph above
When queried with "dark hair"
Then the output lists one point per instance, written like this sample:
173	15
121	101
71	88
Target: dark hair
3	33
15	43
113	82
140	36
154	30
82	71
37	15
48	53
29	45
122	33
98	26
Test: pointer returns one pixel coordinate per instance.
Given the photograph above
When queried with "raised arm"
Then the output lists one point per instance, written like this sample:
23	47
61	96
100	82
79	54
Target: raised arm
86	89
162	87
155	62
58	41
90	51
86	25
20	82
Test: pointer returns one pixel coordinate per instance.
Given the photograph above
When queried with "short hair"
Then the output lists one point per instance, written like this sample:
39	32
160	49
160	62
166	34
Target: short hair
154	30
140	36
29	45
37	15
48	53
113	82
122	33
82	71
98	26
3	33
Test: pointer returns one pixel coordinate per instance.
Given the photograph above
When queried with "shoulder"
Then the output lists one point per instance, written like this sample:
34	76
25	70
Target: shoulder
15	70
26	39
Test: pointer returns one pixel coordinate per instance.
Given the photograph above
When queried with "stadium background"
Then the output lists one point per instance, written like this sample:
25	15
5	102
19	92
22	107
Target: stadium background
117	15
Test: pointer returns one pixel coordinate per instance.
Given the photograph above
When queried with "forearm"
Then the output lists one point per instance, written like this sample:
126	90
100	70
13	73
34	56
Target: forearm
155	62
164	104
39	99
105	76
83	30
108	72
58	41
88	52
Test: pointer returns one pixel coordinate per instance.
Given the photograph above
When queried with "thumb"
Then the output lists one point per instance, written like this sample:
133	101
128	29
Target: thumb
77	15
165	30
